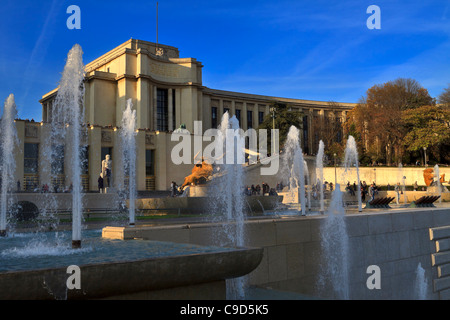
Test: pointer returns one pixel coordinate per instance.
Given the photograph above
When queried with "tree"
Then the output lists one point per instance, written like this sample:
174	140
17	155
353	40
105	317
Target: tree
428	126
328	128
444	97
284	119
378	116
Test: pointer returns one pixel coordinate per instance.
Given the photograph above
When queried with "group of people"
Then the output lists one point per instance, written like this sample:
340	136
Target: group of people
257	190
327	186
365	190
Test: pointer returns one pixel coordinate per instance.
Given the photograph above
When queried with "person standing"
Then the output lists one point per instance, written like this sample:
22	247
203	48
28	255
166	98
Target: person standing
100	183
397	190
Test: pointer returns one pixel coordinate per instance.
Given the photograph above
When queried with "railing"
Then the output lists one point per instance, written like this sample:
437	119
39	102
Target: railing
150	183
30	181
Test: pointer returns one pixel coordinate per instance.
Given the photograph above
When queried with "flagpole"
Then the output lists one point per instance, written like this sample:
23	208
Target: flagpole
156	24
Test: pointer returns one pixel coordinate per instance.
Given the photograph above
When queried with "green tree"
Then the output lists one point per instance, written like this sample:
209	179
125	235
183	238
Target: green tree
285	117
428	126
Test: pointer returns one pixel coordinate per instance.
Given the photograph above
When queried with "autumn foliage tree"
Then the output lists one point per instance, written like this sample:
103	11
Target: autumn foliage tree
379	121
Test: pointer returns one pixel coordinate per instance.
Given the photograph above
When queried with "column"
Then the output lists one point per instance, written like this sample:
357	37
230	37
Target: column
220	111
255	116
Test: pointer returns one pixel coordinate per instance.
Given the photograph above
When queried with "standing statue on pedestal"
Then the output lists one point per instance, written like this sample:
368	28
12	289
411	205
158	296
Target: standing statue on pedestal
106	172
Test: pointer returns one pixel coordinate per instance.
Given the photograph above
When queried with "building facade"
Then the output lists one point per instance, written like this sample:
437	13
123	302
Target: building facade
166	92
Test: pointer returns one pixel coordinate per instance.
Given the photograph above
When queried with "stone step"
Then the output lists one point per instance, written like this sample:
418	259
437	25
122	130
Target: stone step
443	270
440	258
439	233
442	245
441	284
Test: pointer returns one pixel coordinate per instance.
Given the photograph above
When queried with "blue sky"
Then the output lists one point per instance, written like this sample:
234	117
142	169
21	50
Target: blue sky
318	50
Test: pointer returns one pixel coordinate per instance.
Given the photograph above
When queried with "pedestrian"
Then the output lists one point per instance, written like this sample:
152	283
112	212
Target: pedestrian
416	186
173	189
100	183
372	192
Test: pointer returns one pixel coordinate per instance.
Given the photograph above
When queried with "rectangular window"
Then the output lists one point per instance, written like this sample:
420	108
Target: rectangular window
260	117
173	110
249	119
162	110
305	135
214	117
31	158
149	162
238	116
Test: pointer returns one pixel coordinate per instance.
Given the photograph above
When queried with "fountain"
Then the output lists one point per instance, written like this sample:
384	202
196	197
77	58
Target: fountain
294	163
8	142
351	159
401	177
335	247
421	284
319	167
67	120
227	189
308	184
128	134
438	182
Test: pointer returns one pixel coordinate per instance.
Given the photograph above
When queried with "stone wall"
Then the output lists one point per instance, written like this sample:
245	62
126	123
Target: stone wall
396	241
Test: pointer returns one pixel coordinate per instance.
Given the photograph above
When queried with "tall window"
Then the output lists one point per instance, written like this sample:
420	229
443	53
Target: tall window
173	109
162	113
238	116
214	117
31	155
305	135
260	117
249	119
149	162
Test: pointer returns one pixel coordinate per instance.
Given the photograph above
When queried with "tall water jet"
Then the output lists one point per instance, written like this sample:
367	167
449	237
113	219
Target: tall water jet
335	247
308	184
351	159
226	189
68	116
128	134
294	163
319	174
9	140
438	182
421	284
401	177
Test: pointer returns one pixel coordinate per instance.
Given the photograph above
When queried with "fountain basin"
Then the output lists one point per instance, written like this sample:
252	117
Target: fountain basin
116	268
201	205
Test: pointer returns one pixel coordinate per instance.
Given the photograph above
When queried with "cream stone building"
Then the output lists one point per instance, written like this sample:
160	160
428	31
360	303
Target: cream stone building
166	92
